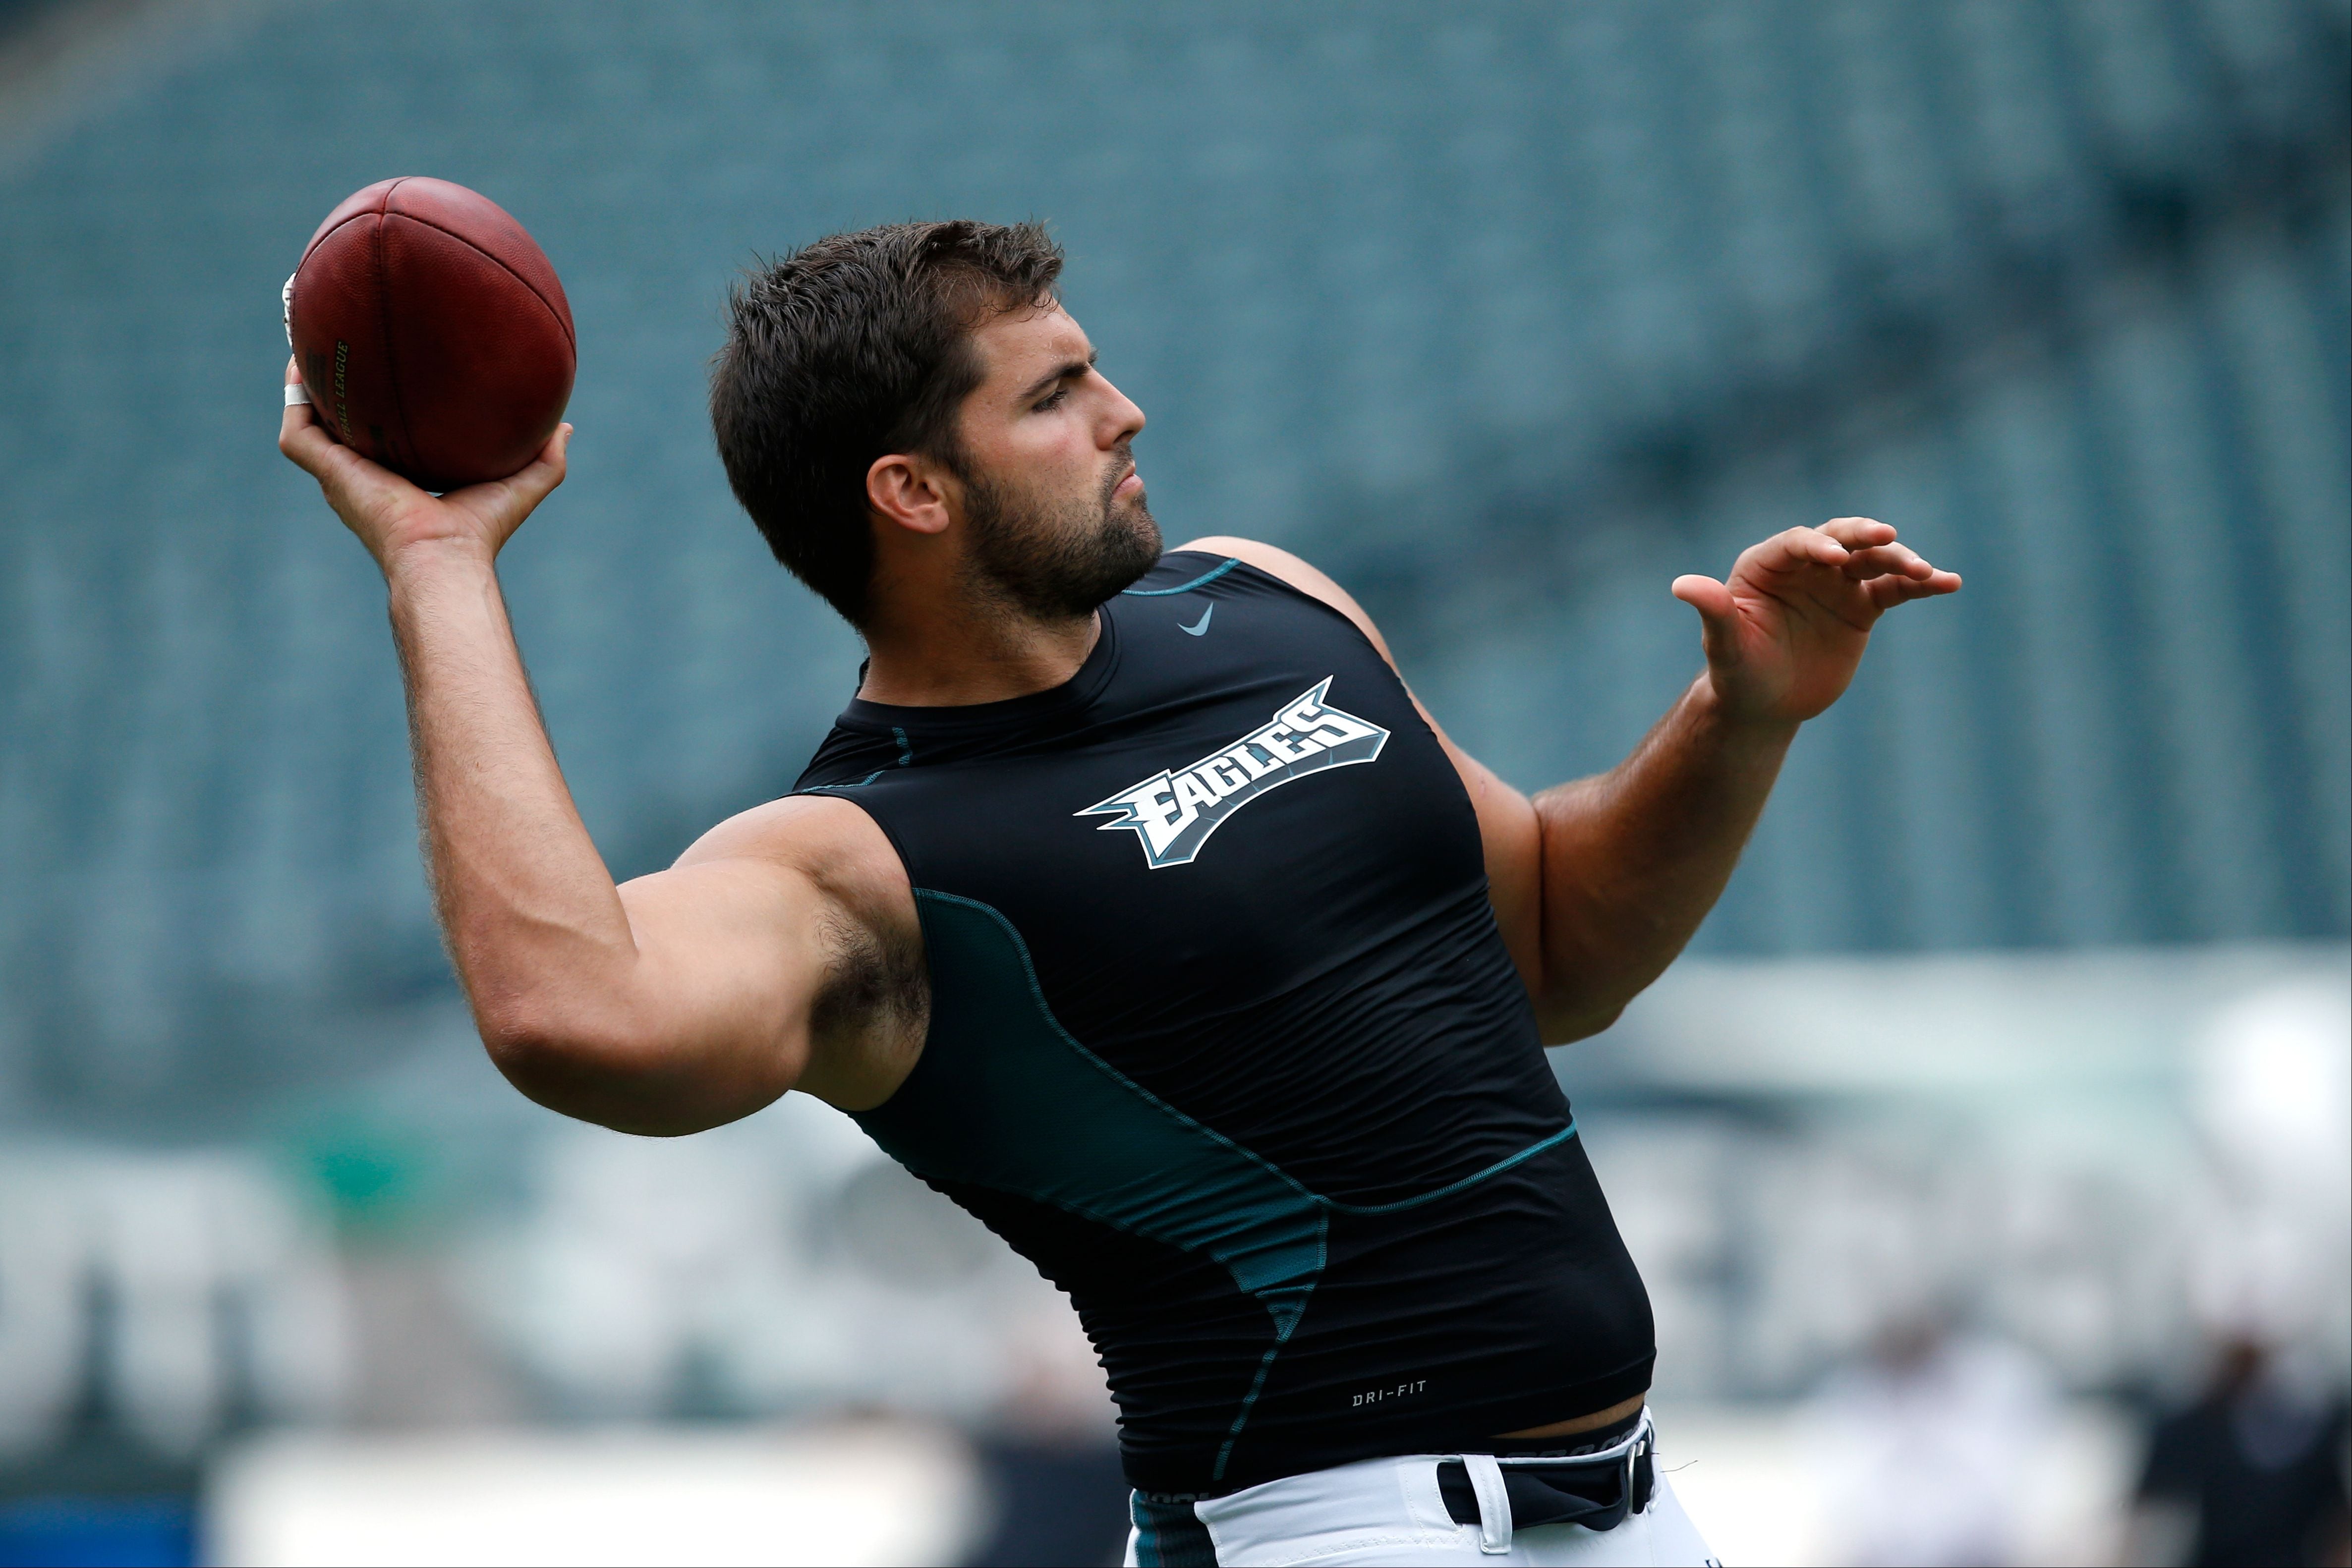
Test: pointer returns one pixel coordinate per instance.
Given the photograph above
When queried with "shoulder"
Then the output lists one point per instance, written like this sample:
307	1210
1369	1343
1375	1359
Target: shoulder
1279	563
820	839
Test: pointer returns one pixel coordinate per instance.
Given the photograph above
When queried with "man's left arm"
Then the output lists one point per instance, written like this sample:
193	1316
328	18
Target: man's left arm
1598	884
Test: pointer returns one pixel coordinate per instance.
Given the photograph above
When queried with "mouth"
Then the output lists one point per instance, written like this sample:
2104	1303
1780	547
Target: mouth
1131	484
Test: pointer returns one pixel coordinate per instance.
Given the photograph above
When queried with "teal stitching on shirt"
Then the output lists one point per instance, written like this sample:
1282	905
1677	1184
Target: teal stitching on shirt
1497	1169
1283	1329
906	747
1293	1311
1285	1302
1202	580
1037	992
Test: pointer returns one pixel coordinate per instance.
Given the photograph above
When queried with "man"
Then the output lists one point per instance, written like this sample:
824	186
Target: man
2254	1472
1135	904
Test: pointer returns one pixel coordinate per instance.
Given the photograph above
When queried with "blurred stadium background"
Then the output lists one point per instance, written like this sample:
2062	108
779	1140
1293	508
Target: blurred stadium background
2006	1086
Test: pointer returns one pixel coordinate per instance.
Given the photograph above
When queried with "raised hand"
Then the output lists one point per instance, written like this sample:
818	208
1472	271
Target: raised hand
390	514
1784	636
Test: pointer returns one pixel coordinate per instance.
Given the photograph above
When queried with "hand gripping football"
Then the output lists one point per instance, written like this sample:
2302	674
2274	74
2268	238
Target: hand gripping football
431	332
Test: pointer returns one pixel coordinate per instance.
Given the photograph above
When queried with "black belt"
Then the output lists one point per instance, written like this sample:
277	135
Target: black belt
1596	1491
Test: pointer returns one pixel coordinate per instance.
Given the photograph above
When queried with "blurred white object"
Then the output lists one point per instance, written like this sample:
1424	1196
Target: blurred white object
43	1322
867	1492
2273	1091
784	1259
1747	1478
1924	1446
2044	1139
2052	1023
202	1279
1762	1486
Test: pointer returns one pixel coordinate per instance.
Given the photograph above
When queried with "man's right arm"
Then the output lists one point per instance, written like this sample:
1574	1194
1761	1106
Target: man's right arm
683	1001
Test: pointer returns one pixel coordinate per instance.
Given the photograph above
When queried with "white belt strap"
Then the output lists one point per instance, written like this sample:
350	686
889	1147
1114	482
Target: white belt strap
1494	1503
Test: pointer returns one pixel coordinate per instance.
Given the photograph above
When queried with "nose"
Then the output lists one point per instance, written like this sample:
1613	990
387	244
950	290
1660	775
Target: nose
1121	419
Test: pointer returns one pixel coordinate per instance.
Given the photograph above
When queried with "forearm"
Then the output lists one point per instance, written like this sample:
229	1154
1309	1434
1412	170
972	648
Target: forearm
534	923
1631	860
676	1003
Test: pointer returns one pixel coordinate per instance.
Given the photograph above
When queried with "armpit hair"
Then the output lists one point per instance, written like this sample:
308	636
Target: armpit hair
877	986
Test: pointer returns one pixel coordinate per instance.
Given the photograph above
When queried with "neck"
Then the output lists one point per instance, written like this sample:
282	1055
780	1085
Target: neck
957	658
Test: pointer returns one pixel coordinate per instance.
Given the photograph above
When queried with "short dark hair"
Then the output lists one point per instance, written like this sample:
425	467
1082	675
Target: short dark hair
853	347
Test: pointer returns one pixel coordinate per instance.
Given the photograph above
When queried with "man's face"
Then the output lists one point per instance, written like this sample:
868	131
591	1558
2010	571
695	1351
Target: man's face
1055	507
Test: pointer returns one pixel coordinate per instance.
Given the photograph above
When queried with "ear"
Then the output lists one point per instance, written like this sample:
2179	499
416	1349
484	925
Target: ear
909	492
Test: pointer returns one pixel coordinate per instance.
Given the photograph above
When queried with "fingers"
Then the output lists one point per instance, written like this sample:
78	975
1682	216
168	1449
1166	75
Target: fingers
499	506
1881	560
1711	599
546	471
1716	610
297	417
1861	550
1887	591
1818	546
1790	550
305	441
1858	533
1875	553
525	487
356	488
307	446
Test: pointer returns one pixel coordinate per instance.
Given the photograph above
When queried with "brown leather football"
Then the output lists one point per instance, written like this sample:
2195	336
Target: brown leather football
431	331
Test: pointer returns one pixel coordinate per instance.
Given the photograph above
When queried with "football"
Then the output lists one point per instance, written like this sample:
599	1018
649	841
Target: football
431	332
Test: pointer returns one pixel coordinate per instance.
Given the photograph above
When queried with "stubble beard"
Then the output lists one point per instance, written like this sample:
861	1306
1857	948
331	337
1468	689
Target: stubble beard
1049	562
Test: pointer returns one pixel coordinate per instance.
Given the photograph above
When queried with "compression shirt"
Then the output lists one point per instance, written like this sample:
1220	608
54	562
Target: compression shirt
1224	1039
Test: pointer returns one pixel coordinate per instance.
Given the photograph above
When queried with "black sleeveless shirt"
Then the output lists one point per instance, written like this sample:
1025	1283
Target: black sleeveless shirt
1225	1041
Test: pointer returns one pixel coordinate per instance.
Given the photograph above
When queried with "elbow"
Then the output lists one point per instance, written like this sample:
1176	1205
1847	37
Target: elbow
1565	1021
589	1074
527	1041
557	1068
527	1054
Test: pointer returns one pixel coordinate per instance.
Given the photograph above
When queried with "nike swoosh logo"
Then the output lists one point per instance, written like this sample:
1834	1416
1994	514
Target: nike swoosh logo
1200	628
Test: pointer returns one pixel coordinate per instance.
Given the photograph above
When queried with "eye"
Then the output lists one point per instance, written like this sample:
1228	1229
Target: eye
1053	399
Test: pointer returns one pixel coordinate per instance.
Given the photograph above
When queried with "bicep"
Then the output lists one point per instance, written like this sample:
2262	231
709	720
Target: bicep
705	1016
1509	830
702	1020
730	959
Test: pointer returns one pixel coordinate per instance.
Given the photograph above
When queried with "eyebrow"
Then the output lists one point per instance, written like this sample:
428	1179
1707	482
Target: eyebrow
1060	372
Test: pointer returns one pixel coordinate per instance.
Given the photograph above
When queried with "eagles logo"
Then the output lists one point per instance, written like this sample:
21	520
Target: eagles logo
1174	813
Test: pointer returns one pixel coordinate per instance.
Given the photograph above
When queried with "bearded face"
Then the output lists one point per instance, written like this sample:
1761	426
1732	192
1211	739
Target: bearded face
1055	557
